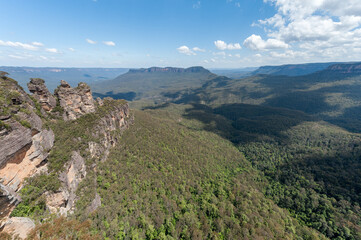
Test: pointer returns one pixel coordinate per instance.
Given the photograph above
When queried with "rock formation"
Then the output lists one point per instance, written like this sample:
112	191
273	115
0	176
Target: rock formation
74	173
75	101
117	119
41	93
18	226
24	146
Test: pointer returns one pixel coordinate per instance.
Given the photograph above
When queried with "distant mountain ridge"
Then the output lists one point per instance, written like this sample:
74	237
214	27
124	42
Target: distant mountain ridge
293	69
148	83
346	68
195	69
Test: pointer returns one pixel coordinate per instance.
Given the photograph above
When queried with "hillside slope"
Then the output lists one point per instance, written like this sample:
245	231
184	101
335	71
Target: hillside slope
166	180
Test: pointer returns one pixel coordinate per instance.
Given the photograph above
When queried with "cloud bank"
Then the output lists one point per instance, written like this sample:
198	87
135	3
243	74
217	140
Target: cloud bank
314	29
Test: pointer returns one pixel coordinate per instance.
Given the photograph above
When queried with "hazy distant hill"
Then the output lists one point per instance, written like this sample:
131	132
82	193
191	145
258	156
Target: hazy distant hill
332	94
234	73
292	69
150	82
53	75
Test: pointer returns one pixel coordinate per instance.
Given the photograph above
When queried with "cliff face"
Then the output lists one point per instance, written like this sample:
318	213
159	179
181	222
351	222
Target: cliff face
25	143
106	130
24	147
117	119
75	101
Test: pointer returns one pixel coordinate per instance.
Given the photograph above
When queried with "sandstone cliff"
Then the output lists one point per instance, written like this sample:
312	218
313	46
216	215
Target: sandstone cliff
109	124
75	101
26	144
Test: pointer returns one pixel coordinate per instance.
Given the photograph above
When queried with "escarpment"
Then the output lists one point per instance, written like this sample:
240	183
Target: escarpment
32	136
24	146
117	119
24	143
101	132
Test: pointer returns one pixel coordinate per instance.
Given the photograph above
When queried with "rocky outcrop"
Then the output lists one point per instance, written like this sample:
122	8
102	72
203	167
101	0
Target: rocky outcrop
56	201
116	120
24	161
27	161
75	101
15	143
18	226
41	93
24	145
74	173
97	202
100	101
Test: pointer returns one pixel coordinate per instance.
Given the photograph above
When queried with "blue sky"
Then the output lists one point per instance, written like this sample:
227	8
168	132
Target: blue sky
182	33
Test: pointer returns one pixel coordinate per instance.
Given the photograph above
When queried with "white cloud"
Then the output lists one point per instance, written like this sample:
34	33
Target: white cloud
52	50
18	45
221	45
185	50
16	56
319	29
38	44
255	42
90	41
197	5
197	49
71	49
43	58
237	4
109	43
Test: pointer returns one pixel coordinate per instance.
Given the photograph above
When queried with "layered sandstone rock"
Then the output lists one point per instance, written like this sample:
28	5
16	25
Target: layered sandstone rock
18	226
24	144
27	161
40	92
75	101
116	120
74	173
